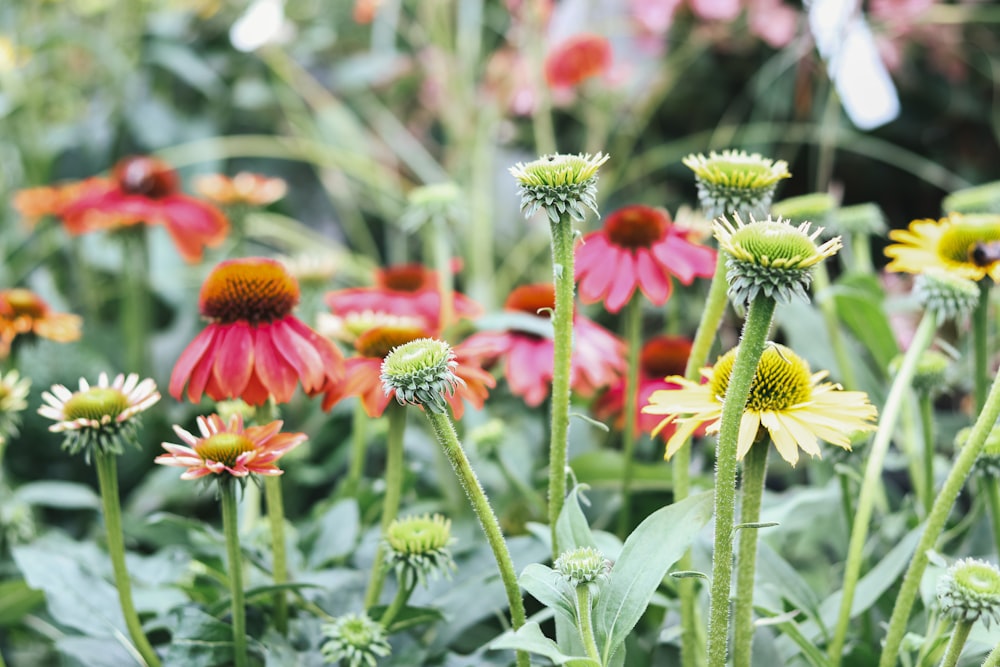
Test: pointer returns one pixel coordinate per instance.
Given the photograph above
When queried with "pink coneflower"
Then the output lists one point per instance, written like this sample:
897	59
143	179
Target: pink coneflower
407	290
638	248
661	356
362	377
577	59
254	347
597	361
144	190
230	448
24	313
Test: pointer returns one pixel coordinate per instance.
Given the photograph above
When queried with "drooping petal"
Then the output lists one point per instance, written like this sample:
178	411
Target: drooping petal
188	361
192	225
624	282
653	283
235	360
274	371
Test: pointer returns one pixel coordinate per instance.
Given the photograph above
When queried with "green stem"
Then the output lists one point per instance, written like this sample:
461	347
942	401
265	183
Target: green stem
872	480
957	642
633	341
692	650
359	449
135	298
562	327
751	347
993	659
227	489
439	248
927	427
862	251
586	627
279	561
754	475
107	479
403	594
394	464
980	339
990	489
936	521
824	299
444	431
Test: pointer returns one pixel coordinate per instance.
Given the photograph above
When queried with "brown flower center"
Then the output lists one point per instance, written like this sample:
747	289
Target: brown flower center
21	302
636	226
405	278
378	342
97	403
665	355
146	176
532	299
254	290
224	448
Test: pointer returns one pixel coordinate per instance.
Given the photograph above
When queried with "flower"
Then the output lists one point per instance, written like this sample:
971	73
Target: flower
970	589
49	200
229	448
660	357
253	347
363	373
577	59
406	290
949	243
734	181
13	392
103	415
770	257
420	372
638	248
22	312
145	189
582	566
418	548
356	640
244	188
947	295
560	184
786	399
597	360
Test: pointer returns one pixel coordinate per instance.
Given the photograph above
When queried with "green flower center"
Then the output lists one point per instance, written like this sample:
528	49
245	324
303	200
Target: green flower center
224	448
419	534
782	379
559	169
978	578
636	226
96	403
770	240
358	631
961	237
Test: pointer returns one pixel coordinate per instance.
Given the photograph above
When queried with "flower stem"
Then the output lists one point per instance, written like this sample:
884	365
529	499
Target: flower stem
754	474
107	479
752	342
279	562
227	488
711	316
990	488
980	342
393	492
633	340
872	480
135	298
993	659
824	299
586	627
359	448
936	521
444	431
957	642
927	424
403	594
862	253
562	326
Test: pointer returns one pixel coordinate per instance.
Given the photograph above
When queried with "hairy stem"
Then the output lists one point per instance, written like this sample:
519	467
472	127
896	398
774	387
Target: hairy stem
754	475
394	464
227	488
633	341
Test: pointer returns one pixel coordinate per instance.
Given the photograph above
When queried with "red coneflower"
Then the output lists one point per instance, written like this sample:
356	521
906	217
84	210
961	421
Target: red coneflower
597	361
638	248
577	59
254	347
22	312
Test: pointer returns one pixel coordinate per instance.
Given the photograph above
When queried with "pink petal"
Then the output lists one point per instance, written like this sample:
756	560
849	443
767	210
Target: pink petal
187	362
597	282
590	253
652	282
274	371
624	283
299	353
234	363
193	224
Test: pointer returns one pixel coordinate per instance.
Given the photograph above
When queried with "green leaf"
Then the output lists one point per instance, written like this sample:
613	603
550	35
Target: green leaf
200	640
775	572
529	637
18	600
790	629
859	300
603	469
655	545
572	528
95	652
339	528
408	617
60	495
547	586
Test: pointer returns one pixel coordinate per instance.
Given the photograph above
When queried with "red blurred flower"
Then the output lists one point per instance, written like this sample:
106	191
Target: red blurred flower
407	290
22	312
145	190
597	360
660	357
254	347
362	372
639	247
577	59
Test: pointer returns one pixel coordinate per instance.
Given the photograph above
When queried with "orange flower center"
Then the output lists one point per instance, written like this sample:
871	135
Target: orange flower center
377	343
665	355
405	278
146	176
254	290
636	226
97	403
224	448
23	303
532	298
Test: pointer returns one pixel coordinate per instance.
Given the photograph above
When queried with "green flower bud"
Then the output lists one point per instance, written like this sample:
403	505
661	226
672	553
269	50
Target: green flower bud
421	372
436	202
581	566
418	548
560	184
860	219
949	296
820	207
736	182
978	199
356	640
970	589
929	377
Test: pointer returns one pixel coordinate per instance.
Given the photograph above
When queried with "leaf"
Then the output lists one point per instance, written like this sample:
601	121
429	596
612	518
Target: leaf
60	495
200	640
655	545
408	617
546	585
529	637
790	629
774	570
572	527
339	528
95	652
860	307
603	469
18	600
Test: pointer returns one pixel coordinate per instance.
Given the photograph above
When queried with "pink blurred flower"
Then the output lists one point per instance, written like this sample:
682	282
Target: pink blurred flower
577	59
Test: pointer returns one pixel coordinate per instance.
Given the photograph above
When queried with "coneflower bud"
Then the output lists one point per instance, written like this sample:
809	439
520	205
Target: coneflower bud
356	640
584	565
970	589
978	199
421	372
418	547
560	184
736	182
948	296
